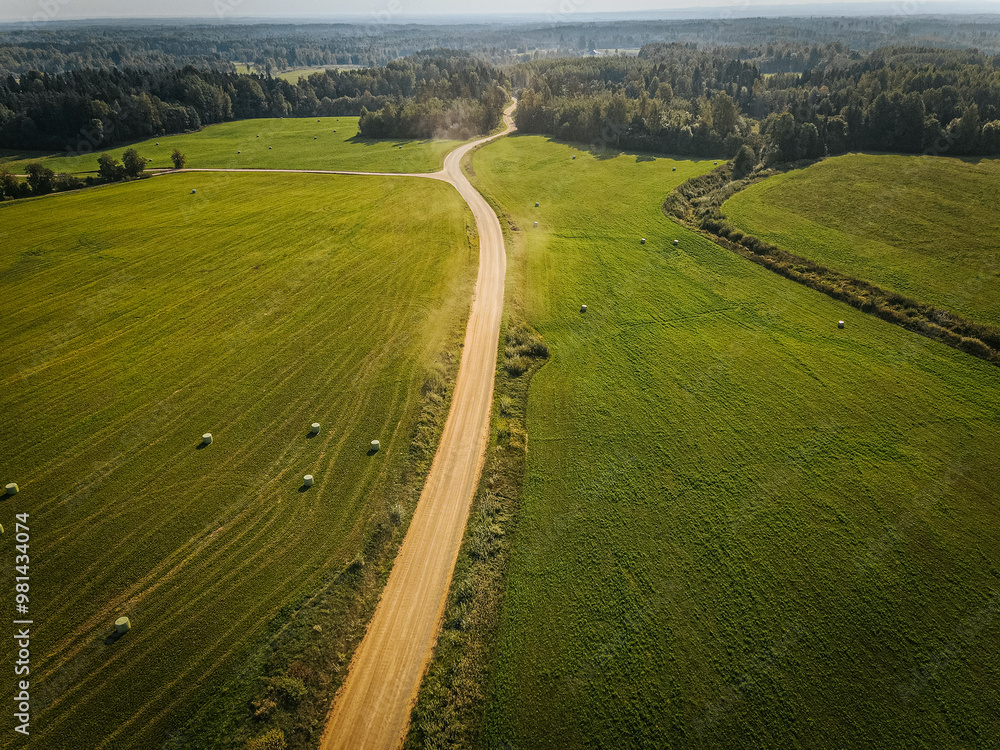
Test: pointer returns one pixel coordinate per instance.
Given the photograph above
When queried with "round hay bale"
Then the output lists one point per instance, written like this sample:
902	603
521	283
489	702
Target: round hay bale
315	428
193	191
677	242
315	137
642	240
674	169
12	488
269	148
574	157
583	308
239	152
375	445
536	223
840	324
206	439
307	480
122	625
536	204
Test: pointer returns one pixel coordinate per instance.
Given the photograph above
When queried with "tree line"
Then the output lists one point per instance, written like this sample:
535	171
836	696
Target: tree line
41	180
271	47
86	110
680	99
673	98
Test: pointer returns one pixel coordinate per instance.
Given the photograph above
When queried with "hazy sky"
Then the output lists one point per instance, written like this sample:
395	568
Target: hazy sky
44	10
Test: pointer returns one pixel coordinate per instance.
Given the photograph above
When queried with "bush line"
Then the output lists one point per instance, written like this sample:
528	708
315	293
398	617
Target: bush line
697	205
450	707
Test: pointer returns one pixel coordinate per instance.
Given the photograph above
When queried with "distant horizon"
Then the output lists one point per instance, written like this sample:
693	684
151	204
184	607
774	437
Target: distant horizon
396	12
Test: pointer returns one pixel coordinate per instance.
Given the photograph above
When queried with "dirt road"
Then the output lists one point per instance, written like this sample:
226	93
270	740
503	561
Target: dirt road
372	708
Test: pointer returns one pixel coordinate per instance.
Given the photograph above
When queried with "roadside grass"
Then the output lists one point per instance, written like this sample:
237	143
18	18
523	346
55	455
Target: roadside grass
922	226
284	143
739	525
449	708
139	316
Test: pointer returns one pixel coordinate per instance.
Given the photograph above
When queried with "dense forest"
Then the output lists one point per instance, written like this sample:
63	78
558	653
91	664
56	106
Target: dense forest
50	47
441	92
681	99
770	102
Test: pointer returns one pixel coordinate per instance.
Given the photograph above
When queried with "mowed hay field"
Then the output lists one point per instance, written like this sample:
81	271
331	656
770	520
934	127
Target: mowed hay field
284	143
137	317
923	226
741	526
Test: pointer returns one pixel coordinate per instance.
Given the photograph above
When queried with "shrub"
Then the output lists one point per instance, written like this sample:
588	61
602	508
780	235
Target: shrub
41	179
538	348
434	383
975	347
517	366
133	165
288	689
68	182
264	707
506	405
357	563
109	169
503	432
274	739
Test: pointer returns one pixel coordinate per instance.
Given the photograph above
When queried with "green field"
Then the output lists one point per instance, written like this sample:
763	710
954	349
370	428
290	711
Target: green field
295	74
137	317
741	526
925	227
284	143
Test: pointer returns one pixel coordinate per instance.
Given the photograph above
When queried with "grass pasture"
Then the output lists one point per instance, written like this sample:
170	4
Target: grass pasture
295	74
740	527
137	317
925	227
284	143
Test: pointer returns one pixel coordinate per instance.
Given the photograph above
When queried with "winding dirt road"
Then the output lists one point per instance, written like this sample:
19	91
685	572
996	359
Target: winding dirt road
372	708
